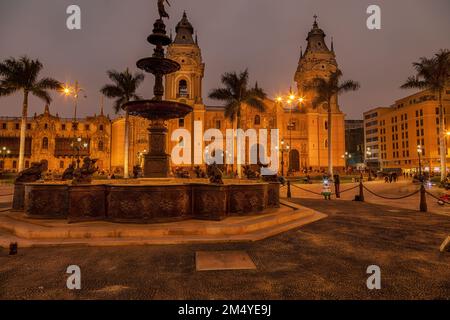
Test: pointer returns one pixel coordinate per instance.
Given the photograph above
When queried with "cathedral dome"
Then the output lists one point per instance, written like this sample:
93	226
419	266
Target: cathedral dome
316	39
185	31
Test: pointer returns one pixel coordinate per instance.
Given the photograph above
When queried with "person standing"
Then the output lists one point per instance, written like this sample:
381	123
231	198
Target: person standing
337	185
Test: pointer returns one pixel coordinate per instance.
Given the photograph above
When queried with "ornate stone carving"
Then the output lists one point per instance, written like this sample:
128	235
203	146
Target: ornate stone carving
34	173
84	174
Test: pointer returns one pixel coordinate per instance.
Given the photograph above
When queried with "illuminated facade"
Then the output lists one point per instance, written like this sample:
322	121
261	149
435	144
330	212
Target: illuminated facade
397	132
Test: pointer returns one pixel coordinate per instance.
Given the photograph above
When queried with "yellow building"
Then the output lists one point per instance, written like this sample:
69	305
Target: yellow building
56	140
307	139
50	137
411	122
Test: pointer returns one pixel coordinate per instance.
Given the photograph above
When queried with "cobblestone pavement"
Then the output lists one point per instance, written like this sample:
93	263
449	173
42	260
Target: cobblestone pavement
325	260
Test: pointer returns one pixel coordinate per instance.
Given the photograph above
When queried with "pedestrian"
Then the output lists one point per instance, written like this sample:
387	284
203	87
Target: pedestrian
391	178
337	185
386	179
326	192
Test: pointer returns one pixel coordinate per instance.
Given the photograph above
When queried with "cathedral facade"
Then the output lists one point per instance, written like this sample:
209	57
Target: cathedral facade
303	128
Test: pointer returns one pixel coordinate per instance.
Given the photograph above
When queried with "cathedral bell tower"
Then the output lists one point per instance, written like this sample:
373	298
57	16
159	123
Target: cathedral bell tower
318	61
186	84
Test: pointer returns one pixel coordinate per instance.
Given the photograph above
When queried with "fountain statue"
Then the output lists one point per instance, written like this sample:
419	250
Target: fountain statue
83	174
34	173
156	162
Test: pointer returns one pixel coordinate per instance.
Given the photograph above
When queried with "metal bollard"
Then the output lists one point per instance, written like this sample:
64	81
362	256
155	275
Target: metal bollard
423	199
361	189
289	195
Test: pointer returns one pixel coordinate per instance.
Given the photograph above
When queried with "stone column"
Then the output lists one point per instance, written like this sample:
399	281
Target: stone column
157	160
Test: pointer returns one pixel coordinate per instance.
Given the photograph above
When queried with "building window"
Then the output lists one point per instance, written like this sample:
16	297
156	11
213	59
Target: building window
4	126
326	143
28	126
181	123
101	127
63	127
17	126
46	126
326	125
87	127
14	164
45	143
257	120
100	146
218	124
183	89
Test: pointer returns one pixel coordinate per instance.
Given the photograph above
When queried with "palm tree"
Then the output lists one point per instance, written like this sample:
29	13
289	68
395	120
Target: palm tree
434	74
326	90
123	89
236	94
23	75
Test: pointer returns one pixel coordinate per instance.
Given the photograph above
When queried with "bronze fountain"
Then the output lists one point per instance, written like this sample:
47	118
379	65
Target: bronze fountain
158	111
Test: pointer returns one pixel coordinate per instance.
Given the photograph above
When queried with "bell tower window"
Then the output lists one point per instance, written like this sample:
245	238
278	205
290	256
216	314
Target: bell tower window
183	89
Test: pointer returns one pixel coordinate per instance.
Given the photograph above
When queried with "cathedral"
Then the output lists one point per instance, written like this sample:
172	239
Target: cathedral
303	128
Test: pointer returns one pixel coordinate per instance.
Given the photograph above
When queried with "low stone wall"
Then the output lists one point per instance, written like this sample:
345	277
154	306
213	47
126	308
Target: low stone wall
126	203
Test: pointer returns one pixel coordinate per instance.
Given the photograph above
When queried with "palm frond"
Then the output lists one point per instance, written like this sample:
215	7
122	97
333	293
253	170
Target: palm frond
349	85
41	94
256	103
222	94
48	83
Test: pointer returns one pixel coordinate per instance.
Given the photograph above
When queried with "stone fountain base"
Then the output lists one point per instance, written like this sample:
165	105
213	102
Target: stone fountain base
126	203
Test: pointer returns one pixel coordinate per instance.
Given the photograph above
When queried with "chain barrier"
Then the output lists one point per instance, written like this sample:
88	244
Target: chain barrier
436	197
306	190
391	198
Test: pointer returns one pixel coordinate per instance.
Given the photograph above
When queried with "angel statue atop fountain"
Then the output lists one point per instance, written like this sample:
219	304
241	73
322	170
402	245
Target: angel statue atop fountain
162	10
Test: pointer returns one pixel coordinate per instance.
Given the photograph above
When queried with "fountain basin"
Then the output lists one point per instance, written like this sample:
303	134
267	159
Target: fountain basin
156	203
158	65
157	110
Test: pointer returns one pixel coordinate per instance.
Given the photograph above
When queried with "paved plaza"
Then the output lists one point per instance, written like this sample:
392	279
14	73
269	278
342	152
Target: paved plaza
323	260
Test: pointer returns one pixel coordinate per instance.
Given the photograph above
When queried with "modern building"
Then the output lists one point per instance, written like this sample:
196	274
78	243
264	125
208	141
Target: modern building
410	123
371	151
354	142
302	127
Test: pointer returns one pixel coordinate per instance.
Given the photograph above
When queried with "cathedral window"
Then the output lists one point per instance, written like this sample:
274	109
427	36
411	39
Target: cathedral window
257	120
45	143
100	146
46	126
183	89
218	124
326	125
181	123
101	127
63	127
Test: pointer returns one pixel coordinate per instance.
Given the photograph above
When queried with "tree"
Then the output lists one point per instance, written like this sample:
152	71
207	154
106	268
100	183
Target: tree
236	94
23	75
123	89
326	90
434	74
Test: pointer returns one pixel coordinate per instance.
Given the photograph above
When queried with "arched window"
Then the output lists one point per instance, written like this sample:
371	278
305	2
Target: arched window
183	89
100	146
45	143
257	120
326	125
326	143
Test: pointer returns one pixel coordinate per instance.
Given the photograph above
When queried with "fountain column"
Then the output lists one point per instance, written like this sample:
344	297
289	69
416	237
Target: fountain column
157	161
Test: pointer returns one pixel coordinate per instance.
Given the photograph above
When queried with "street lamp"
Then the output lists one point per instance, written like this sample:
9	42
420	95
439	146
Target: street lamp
346	157
419	152
74	93
369	155
284	148
290	99
4	152
78	145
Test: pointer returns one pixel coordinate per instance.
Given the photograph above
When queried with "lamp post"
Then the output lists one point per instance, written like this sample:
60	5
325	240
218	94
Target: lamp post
289	100
419	153
4	152
369	155
284	148
77	146
346	157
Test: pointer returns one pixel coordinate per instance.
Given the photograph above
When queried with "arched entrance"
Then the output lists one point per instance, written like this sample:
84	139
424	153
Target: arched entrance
294	161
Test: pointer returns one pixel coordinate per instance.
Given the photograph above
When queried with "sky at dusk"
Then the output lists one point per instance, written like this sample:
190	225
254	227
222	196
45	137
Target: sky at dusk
264	36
